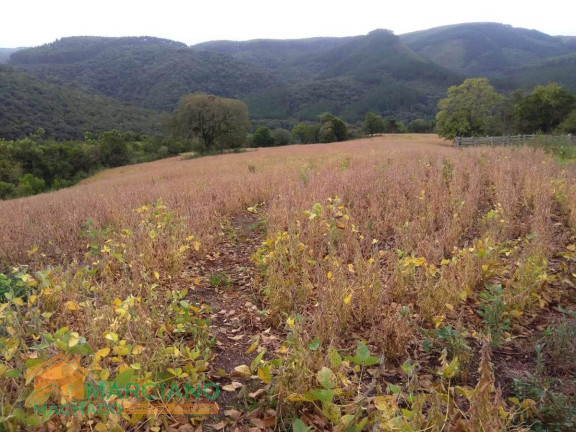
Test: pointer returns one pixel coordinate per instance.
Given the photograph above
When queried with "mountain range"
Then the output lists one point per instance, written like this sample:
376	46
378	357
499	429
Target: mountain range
281	80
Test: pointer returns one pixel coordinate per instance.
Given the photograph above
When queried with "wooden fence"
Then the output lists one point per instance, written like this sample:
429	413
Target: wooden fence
506	140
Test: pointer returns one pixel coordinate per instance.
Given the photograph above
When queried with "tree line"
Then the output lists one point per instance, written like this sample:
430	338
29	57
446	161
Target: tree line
209	124
475	108
201	123
37	164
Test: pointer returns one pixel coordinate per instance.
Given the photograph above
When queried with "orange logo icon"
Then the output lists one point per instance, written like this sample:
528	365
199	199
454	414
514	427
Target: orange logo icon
58	375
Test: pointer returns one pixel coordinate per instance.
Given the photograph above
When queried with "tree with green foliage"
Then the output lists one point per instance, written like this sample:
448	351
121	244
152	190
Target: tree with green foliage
30	185
306	133
420	126
470	109
262	137
282	136
568	126
391	125
332	128
373	124
114	149
544	109
219	123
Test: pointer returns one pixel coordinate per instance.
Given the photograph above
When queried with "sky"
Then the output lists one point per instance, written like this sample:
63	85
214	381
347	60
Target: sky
25	23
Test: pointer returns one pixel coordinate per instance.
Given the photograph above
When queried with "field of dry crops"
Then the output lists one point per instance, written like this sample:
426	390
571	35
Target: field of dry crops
393	283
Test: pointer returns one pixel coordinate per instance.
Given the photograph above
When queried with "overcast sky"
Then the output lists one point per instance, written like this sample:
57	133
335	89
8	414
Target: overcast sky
35	22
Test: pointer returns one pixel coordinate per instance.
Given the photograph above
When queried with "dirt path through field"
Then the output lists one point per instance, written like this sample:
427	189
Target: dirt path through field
226	283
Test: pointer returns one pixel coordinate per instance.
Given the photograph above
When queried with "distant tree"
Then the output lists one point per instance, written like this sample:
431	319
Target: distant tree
114	149
543	109
470	109
306	133
282	136
568	126
391	125
217	122
6	190
373	124
420	126
332	128
262	138
30	185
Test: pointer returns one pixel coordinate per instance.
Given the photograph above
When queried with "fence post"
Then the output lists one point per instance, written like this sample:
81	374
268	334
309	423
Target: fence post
457	142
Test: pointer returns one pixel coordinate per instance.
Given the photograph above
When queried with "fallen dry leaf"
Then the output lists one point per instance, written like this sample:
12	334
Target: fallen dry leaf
234	414
257	394
242	371
233	386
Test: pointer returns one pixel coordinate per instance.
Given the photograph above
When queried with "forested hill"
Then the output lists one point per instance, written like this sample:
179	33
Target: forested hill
486	49
5	53
557	69
28	103
278	79
146	71
400	76
376	72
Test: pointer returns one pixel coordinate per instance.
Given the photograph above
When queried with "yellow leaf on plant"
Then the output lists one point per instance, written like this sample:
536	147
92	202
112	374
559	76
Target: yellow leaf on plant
264	374
112	336
29	280
295	397
157	275
348	299
70	305
449	306
571	247
74	339
290	322
329	275
101	427
196	246
18	301
386	405
137	349
103	352
438	320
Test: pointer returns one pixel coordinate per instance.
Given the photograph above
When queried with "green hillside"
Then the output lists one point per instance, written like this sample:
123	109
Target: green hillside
293	80
5	54
485	49
347	76
29	103
145	71
291	60
558	69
